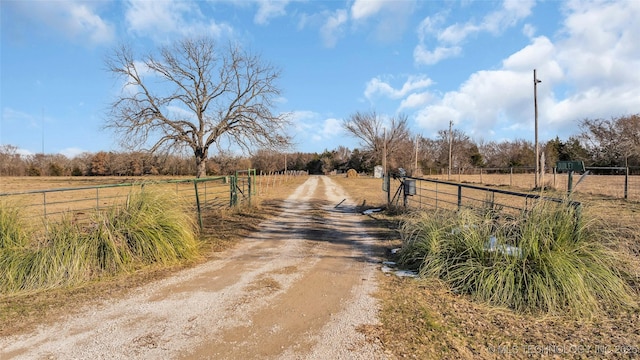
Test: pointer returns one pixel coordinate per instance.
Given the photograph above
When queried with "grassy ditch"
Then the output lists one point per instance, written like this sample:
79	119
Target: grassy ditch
150	228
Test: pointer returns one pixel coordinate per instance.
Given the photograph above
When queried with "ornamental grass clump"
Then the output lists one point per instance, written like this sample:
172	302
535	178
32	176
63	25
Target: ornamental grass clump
150	228
13	231
13	239
549	259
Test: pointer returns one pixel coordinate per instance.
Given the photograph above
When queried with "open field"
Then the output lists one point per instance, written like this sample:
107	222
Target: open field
595	185
75	197
420	318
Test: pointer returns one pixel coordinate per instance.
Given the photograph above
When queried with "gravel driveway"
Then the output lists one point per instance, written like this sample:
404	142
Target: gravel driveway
297	289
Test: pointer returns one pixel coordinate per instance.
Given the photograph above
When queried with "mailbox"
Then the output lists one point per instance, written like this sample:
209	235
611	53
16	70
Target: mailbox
409	187
567	166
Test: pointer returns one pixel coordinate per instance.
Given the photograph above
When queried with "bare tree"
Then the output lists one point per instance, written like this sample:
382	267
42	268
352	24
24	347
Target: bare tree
369	128
612	141
196	95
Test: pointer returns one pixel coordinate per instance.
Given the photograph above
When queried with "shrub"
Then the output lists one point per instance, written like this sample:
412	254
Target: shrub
549	259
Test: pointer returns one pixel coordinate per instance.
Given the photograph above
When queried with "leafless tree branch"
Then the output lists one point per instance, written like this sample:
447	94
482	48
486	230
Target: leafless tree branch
195	94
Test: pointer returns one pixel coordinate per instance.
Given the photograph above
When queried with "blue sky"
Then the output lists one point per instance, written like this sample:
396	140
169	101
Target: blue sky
470	62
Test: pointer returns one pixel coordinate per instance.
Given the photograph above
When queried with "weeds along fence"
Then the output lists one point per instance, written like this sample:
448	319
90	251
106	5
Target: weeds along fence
40	207
616	182
422	193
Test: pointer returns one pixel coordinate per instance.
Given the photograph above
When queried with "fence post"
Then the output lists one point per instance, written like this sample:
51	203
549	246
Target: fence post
626	183
205	192
249	189
44	205
459	196
436	196
234	190
387	179
511	177
195	186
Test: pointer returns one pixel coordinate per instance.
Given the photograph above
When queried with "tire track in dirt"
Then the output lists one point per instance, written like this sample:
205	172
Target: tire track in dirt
296	289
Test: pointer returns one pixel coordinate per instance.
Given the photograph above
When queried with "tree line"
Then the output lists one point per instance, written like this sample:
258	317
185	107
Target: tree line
611	142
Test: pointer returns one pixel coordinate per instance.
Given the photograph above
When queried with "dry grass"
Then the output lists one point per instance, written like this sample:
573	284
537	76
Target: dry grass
423	319
602	186
222	229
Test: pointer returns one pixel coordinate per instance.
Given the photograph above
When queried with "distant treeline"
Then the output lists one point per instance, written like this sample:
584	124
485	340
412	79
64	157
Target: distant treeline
601	143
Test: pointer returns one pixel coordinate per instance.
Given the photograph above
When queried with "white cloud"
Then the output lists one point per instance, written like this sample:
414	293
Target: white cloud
162	19
451	37
415	100
333	27
601	44
430	25
377	86
388	18
302	120
332	127
24	152
540	51
529	30
268	9
511	12
309	125
456	33
72	152
423	56
587	72
365	8
77	20
490	101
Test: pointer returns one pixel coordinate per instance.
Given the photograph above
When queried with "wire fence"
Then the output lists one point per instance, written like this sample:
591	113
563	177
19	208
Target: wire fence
615	182
77	204
422	193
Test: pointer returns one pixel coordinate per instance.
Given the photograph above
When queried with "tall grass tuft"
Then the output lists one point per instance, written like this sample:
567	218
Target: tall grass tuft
549	259
12	226
150	228
15	259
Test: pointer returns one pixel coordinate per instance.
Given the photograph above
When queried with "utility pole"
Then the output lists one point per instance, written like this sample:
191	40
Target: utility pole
42	131
415	168
450	146
535	106
386	176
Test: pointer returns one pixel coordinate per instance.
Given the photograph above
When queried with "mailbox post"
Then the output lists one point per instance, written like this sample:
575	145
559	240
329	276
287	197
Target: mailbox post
570	167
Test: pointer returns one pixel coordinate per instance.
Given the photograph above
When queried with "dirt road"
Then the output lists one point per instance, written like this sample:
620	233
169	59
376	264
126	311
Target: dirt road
297	289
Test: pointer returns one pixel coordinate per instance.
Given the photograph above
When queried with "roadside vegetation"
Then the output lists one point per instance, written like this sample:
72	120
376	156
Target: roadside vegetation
150	228
424	317
548	260
118	269
434	317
